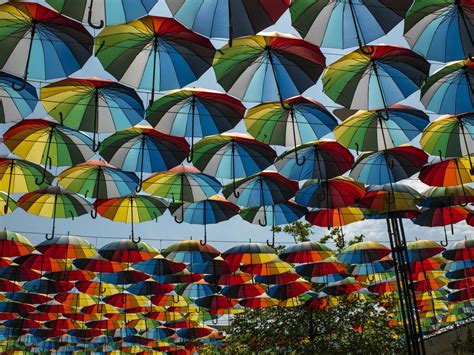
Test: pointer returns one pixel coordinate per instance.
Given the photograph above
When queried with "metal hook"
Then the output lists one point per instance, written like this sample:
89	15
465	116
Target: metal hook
135	241
89	19
445	242
215	321
22	85
265	222
342	244
43	176
203	243
102	290
370	278
182	215
95	146
139	186
173	300
357	148
297	159
94	213
390	197
49	237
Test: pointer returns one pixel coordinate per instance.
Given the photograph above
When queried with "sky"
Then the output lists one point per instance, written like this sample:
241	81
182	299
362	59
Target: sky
226	234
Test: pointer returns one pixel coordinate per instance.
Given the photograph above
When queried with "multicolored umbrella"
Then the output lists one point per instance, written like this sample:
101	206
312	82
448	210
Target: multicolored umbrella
249	253
344	24
268	67
423	249
154	53
159	266
306	252
58	45
431	25
449	90
126	251
391	198
66	247
105	12
54	202
335	217
375	77
447	196
462	250
323	159
258	302
449	172
381	129
15	105
7	204
144	150
92	105
322	268
363	253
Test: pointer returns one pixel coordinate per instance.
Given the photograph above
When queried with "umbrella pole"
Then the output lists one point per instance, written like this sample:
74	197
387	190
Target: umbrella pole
293	125
136	241
262	197
155	49
231	27
47	160
182	202
142	151
205	227
96	146
97	186
89	18
12	165
54	219
236	193
189	159
25	74
272	244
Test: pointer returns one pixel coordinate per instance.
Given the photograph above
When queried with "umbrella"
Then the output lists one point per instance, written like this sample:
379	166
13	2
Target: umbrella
390	198
244	290
149	287
343	287
449	90
190	251
322	268
194	333
159	266
215	302
430	26
423	249
131	209
447	196
232	156
159	333
128	251
449	172
373	131
15	105
48	143
234	278
306	252
323	159
388	166
268	67
462	250
41	262
54	202
66	247
345	24
46	286
18	273
286	291
214	267
363	252
273	267
97	289
18	176
99	180
144	150
97	13
249	253
154	53
92	105
258	302
375	77
124	277
196	290
7	204
278	279
335	217
214	210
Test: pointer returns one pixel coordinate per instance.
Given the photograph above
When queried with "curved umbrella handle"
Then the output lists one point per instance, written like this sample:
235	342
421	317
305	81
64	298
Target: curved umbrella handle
265	222
357	148
140	185
215	321
444	242
179	221
190	156
390	198
49	237
94	213
95	145
297	159
21	86
89	18
370	278
203	243
135	241
173	300
43	176
322	196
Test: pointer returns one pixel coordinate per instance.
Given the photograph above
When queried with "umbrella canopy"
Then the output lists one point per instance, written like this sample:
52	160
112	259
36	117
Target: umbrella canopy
149	287
258	302
286	291
126	251
214	267
59	46
335	217
441	216
278	279
14	244
15	105
449	89
215	302
41	262
322	268
66	247
159	266
249	253
273	267
306	252
268	67
154	53
423	249
375	77
363	252
390	198
243	290
345	24
196	290
460	251
190	251
282	213
430	26
449	172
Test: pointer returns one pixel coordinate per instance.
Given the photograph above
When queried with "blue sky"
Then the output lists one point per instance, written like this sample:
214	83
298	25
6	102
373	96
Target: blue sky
226	234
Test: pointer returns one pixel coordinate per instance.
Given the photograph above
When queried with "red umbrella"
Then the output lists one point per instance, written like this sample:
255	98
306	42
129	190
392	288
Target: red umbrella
61	323
228	279
29	297
306	252
14	244
126	251
41	317
70	275
214	302
243	290
286	291
278	279
22	323
54	307
40	262
66	247
9	286
322	268
98	264
258	302
18	273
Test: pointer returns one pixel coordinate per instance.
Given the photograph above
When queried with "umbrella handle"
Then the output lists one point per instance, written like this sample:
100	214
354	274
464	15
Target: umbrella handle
49	237
265	222
357	148
21	86
95	145
182	215
390	198
172	298
215	321
177	220
89	18
43	176
94	213
25	75
370	278
444	242
297	159
235	192
135	241
140	185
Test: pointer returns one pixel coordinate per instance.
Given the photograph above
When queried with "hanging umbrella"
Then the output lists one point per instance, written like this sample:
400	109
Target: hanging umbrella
388	166
450	90
61	45
99	180
249	253
98	289
322	268
196	290
390	198
447	196
323	159
363	252
214	267
18	273
344	24
18	176
371	269
15	105
214	210
273	267
194	333
232	156
54	202
126	251
105	12
268	67
66	247
286	291
375	77
381	129
234	278
131	209
278	279
169	300
258	302
154	53
423	249
7	204
144	150
243	290
343	287
92	105
149	287
306	252
430	26
335	217
449	172
190	251
215	302
41	262
47	143
46	286
159	266
124	277
460	251
70	275
159	333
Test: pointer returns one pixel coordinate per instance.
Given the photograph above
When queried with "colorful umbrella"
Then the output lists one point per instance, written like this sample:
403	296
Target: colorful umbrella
431	25
343	287
273	267
190	251
249	253
449	90
286	291
322	268
306	252
131	209
335	217
390	198
214	267
92	105
375	77
323	159
54	202
278	279
268	67
449	172
159	266
258	302
363	252
144	150
127	251
97	13
154	52
462	250
234	278
344	24
215	301
66	247
381	129
149	287
243	290
15	105
59	46
447	196
41	262
7	204
196	290
423	249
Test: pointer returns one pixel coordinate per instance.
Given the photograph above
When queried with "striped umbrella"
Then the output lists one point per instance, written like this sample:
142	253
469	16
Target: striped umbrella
286	291
449	172
14	244
54	202
462	250
159	266
154	53
363	253
273	267
249	253
66	247
335	217
190	251
447	196
126	251
15	105
306	252
92	105
7	204
390	198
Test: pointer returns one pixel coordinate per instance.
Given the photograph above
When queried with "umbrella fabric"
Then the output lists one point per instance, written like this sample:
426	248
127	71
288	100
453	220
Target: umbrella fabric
343	287
278	279
40	262
390	198
7	204
300	120
282	213
97	179
214	302
153	53
14	244
70	275
268	67
159	266
335	217
124	277
97	264
381	129
431	25
286	291
345	24
323	159
214	267
449	172
213	210
306	252
262	189
448	90
273	267
48	143
461	250
228	279
97	289
15	105
59	46
103	12
190	251
196	290
159	333
442	216
375	77
193	333
149	287
423	249
322	268
388	166
46	286
371	268
126	251
333	193
18	273
363	252
66	247
258	302
249	253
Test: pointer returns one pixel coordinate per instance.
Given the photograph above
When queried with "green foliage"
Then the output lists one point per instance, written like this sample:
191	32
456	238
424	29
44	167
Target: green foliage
300	231
461	346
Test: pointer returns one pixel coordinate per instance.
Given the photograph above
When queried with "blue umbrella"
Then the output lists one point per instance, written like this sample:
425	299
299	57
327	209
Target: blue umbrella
196	290
15	105
158	333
